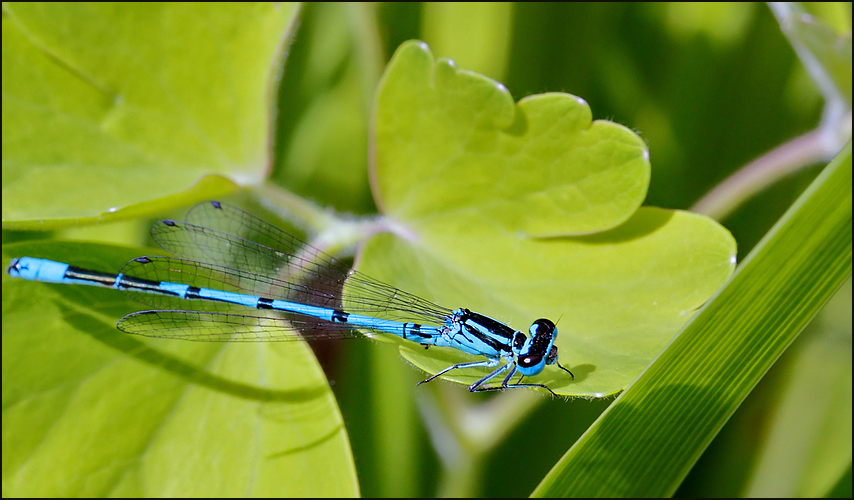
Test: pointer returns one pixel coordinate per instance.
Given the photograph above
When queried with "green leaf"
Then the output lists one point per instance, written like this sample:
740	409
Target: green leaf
807	436
475	181
648	440
91	411
450	141
150	100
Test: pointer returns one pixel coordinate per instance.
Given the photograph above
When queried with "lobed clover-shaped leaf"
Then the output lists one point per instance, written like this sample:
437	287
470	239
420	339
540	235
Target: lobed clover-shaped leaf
477	184
539	166
110	105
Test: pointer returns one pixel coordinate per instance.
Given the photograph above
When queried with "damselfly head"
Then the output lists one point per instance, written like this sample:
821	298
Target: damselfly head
534	356
543	328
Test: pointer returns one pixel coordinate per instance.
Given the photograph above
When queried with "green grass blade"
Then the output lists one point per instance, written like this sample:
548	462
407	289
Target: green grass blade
648	440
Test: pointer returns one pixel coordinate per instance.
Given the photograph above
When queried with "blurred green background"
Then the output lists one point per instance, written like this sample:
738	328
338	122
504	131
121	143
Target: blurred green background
708	86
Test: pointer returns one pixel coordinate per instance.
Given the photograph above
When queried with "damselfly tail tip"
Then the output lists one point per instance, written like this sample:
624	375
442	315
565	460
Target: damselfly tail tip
12	268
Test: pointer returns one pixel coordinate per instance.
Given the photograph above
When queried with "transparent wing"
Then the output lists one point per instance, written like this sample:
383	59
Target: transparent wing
213	320
220	234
